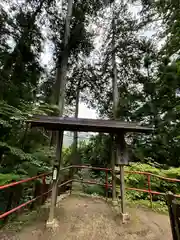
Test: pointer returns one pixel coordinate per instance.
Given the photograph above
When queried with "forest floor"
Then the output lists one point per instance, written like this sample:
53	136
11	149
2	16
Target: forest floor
93	219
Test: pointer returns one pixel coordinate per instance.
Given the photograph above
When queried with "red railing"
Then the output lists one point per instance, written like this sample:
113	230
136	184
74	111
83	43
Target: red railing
151	192
106	170
107	185
42	177
35	198
149	175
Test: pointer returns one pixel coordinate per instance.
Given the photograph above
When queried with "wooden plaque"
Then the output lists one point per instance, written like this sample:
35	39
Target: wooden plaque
122	151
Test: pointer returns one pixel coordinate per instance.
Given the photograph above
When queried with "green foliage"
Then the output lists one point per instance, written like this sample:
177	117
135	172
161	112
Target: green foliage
95	189
148	84
158	206
172	172
160	185
15	152
96	151
21	149
7	178
66	156
26	151
20	69
144	168
4	123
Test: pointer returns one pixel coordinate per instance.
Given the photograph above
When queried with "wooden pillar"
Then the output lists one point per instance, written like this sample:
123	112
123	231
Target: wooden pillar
115	97
122	160
113	176
122	189
113	159
170	198
55	177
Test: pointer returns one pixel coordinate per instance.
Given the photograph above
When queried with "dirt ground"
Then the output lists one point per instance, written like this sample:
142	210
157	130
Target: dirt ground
93	219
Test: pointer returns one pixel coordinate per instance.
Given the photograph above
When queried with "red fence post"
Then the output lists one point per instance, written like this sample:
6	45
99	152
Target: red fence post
71	176
37	192
9	203
43	189
149	188
106	184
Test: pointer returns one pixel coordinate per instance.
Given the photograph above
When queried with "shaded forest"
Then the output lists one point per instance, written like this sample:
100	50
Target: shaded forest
96	48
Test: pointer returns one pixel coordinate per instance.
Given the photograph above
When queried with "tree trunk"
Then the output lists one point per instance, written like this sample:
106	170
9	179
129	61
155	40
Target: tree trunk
153	114
75	138
60	87
115	109
114	80
74	157
115	105
27	31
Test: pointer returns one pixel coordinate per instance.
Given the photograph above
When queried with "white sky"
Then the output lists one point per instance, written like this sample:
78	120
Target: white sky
85	112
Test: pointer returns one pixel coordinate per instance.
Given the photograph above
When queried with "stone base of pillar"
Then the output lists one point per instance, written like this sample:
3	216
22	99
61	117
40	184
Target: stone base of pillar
114	202
52	224
125	217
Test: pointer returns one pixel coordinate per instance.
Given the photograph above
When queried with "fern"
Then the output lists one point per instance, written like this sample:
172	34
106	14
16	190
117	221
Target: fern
16	151
7	178
8	110
12	121
5	123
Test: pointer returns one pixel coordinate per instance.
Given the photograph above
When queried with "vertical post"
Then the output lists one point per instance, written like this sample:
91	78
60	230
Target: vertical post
122	189
170	197
55	176
115	93
44	180
71	177
106	184
43	189
31	206
9	203
113	179
175	210
53	199
149	188
113	169
37	192
122	160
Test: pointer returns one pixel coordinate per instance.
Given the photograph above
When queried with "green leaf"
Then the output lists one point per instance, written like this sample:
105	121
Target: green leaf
5	123
15	151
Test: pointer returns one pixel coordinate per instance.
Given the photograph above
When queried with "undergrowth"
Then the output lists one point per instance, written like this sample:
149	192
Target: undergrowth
157	206
26	219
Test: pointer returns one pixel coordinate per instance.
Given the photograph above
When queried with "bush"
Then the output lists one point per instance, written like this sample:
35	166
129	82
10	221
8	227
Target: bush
7	178
137	181
160	185
94	189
